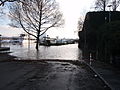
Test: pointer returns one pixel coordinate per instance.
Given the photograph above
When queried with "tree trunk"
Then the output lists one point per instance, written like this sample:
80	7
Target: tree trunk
114	5
37	43
38	33
104	7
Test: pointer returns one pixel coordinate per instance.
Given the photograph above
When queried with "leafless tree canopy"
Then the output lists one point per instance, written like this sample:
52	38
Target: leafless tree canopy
36	16
115	4
103	4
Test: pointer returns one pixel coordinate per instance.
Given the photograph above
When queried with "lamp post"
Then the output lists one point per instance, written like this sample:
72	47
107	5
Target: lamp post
0	40
109	12
106	44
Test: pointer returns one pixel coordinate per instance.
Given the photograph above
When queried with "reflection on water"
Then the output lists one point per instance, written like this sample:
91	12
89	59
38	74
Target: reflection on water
24	51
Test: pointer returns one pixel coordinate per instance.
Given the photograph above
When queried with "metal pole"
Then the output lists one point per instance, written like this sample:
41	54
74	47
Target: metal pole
0	40
109	13
109	16
28	40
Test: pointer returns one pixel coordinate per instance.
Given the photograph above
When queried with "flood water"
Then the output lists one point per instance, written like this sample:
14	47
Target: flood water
26	51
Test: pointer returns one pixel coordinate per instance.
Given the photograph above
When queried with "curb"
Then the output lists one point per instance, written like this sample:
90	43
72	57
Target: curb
105	82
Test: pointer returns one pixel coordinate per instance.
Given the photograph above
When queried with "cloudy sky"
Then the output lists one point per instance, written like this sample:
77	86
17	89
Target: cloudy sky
71	9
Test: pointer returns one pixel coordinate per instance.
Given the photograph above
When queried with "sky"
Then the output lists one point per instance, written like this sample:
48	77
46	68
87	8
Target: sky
72	10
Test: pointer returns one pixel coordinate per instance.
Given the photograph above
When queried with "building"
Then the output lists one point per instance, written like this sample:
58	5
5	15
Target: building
88	40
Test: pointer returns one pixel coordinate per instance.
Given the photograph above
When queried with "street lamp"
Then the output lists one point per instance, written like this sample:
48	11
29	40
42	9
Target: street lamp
0	40
109	12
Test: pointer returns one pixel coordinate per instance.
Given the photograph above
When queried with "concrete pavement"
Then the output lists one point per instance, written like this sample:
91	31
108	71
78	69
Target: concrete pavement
108	73
47	75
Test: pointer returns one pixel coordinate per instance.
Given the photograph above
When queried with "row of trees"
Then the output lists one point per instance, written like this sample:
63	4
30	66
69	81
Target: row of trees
34	16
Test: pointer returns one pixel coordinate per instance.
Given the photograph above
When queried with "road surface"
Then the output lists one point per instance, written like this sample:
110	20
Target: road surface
47	75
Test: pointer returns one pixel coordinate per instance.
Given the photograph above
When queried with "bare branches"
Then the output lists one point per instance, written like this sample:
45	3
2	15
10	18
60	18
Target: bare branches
2	2
80	24
115	4
103	4
36	16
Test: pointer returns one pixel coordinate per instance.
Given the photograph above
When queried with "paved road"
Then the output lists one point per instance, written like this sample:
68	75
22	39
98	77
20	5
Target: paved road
47	76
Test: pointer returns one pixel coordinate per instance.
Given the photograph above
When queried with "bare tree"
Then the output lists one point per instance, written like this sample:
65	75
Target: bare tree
36	16
103	4
2	2
80	24
115	4
2	5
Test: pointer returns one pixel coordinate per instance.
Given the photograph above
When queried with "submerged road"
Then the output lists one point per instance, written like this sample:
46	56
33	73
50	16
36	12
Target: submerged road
47	75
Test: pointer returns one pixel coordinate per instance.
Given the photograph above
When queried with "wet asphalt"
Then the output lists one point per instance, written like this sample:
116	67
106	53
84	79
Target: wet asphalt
47	75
